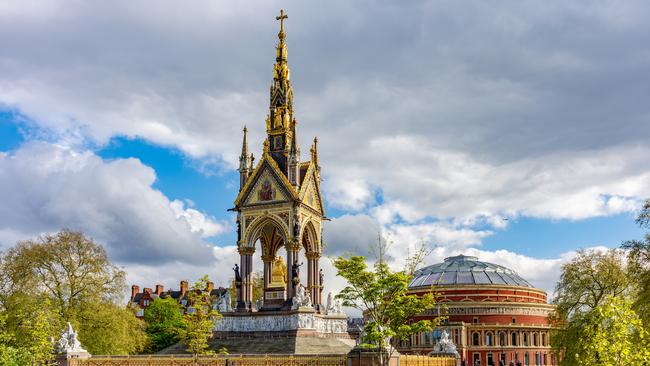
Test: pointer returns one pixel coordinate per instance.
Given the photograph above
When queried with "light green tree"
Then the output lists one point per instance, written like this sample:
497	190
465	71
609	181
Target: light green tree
9	354
109	328
586	284
639	265
382	295
164	323
81	286
199	319
613	335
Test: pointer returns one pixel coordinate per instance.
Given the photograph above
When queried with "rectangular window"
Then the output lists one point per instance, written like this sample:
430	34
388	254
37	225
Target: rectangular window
514	320
475	320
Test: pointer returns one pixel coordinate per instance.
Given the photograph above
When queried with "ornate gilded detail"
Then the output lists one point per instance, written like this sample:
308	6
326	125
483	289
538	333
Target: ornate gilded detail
279	195
244	250
279	273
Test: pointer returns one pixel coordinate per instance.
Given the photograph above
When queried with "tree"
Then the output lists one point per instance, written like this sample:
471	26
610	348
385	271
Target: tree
106	328
382	295
164	323
199	319
639	265
585	284
11	355
80	284
613	335
70	267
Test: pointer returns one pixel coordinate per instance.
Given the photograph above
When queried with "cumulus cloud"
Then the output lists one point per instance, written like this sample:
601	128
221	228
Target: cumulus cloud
480	111
45	187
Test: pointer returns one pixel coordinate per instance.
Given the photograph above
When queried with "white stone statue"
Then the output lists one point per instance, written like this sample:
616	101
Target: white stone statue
228	301
338	308
330	303
68	342
299	297
445	345
307	301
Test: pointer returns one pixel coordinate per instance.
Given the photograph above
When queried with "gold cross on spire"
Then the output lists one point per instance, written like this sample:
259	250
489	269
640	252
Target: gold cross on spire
281	18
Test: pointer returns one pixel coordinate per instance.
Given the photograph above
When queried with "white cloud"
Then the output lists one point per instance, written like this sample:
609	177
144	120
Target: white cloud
45	187
205	225
473	115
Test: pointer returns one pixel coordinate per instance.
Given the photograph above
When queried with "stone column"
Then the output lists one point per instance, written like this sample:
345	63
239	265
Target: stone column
290	257
249	277
310	275
246	274
313	277
268	269
241	290
318	289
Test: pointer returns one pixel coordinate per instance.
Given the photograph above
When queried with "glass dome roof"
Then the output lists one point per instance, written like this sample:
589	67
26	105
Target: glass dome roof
466	270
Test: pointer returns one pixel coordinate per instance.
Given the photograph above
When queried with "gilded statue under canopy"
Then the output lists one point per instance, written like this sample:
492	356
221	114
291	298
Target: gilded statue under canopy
279	273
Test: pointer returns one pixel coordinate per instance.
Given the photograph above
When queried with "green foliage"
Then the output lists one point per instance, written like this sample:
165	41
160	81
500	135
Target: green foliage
66	277
110	329
382	295
164	323
25	351
199	319
585	284
639	265
71	268
11	356
613	335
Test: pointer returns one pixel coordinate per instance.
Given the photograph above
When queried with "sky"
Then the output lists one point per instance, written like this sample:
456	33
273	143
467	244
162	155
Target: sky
518	132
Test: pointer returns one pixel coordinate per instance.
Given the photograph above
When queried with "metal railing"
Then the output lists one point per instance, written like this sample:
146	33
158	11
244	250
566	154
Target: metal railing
419	360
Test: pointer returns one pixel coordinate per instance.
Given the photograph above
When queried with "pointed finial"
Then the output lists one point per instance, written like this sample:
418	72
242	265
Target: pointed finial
244	145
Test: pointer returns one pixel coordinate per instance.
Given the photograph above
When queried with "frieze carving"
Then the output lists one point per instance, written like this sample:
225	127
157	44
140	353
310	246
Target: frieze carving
276	323
492	311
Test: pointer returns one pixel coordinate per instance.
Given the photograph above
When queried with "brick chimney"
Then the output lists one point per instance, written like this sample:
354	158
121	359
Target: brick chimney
210	287
134	291
184	287
159	289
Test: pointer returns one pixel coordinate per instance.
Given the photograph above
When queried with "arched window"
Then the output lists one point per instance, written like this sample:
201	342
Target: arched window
488	339
513	341
525	339
502	339
544	339
526	358
475	339
535	339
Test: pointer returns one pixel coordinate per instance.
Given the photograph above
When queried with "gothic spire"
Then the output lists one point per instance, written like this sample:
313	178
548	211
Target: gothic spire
245	161
281	96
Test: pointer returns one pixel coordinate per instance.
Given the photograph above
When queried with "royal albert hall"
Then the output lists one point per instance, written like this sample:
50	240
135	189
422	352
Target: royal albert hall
494	316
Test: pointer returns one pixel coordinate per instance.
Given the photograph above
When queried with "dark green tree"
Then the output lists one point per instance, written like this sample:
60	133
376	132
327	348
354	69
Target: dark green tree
164	323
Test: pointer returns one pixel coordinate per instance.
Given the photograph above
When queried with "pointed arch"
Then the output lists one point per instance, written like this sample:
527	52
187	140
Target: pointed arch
309	238
271	231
